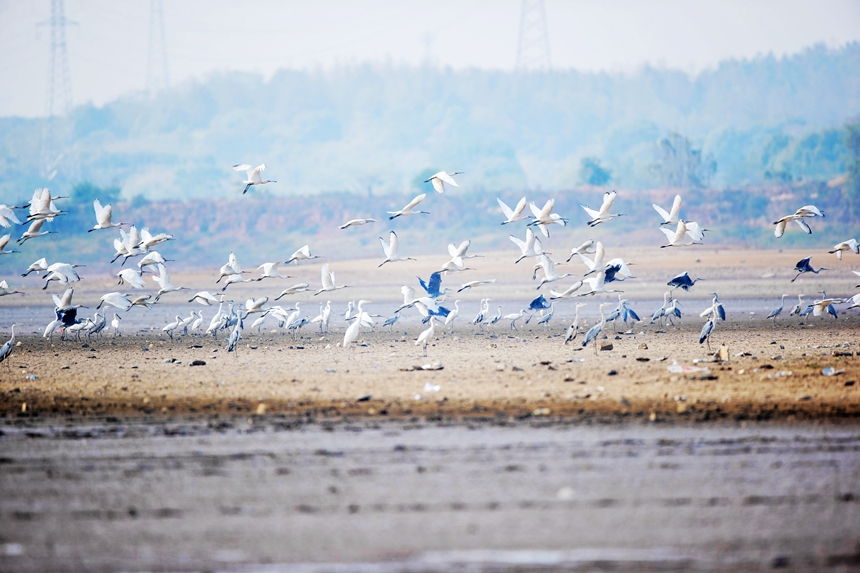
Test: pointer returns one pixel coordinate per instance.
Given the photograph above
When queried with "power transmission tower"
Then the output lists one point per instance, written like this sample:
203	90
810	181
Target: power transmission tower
533	46
156	62
56	132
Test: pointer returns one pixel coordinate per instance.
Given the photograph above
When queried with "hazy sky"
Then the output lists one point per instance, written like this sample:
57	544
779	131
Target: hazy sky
108	44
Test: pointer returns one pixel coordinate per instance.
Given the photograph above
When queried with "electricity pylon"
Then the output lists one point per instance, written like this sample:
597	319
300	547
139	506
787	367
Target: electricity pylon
56	132
156	61
533	47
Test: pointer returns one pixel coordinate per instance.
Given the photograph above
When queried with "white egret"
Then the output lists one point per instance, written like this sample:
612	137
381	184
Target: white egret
116	299
130	243
301	287
356	223
409	209
205	298
597	263
567	293
453	314
198	321
587	247
677	237
63	273
324	317
670	218
64	302
327	279
473	284
390	249
440	179
115	324
132	277
350	307
4	289
230	268
515	214
695	231
531	247
37	267
163	280
424	337
844	246
303	254
144	300
170	327
598	284
253	306
103	217
270	271
514	317
545	216
148	240
351	333
803	266
458	252
594	331
603	214
797	217
232	279
4	240
33	231
151	259
549	274
183	324
7	217
253	174
825	304
42	205
454	265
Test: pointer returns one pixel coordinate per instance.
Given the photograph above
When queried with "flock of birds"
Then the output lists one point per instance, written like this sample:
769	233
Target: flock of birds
597	278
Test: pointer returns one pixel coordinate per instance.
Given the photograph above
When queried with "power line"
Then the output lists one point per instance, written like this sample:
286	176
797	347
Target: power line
157	78
533	46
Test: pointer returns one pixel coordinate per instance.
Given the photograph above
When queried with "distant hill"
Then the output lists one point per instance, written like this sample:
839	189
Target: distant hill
381	130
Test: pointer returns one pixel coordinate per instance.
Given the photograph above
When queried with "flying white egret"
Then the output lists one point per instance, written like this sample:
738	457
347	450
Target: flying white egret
148	240
597	284
573	329
64	302
567	293
531	247
301	287
409	209
4	240
170	327
327	279
670	218
473	284
163	280
803	266
144	300
270	271
7	217
132	277
115	324
303	254
677	237
695	231
603	214
37	267
424	337
103	217
549	274
130	244
777	311
116	299
516	214
453	314
230	268
545	216
797	217
390	249
205	298
825	304
235	279
440	179
253	306
587	247
597	263
6	349
253	174
151	259
356	223
458	252
63	273
4	289
594	331
454	265
42	205
844	246
33	231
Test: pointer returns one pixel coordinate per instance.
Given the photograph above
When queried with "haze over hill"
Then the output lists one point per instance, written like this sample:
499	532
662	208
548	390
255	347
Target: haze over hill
379	129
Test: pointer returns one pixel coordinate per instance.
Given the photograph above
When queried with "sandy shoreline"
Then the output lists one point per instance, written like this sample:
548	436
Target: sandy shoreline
530	374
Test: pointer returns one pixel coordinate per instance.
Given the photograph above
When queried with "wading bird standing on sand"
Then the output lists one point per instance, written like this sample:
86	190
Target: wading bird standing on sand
424	337
594	331
6	349
573	329
777	311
